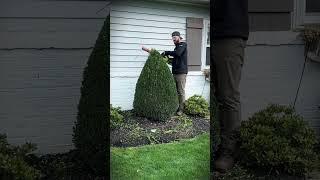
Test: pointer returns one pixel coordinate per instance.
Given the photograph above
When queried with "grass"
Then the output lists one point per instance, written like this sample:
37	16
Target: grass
186	159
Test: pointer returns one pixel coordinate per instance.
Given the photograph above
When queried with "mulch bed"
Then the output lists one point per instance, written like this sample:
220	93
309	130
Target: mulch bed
138	131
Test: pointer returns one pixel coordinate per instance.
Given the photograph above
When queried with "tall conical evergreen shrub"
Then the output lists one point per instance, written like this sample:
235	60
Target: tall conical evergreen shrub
90	133
156	95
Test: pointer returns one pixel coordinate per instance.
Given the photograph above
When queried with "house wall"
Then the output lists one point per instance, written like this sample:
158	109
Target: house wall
135	24
270	15
271	74
274	63
44	47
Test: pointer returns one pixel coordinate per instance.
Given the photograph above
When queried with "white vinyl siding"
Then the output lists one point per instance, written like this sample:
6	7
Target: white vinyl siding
135	24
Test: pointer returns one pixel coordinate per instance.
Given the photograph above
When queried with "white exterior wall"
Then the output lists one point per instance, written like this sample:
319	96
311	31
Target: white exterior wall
150	24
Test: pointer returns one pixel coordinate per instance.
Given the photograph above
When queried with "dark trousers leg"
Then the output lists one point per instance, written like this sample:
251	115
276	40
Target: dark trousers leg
228	58
180	80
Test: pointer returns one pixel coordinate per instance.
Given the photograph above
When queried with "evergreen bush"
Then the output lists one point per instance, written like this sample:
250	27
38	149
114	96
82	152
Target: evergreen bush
115	117
155	95
277	140
196	106
90	133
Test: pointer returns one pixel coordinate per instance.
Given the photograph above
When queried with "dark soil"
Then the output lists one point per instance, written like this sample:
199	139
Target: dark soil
138	131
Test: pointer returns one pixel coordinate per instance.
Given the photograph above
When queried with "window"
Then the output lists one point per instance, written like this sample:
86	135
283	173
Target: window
306	12
206	45
312	15
312	6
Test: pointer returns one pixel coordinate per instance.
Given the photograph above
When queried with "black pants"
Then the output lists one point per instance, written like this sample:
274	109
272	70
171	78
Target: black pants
228	59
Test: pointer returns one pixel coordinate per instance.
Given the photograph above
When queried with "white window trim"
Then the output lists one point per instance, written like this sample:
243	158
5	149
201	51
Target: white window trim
300	17
206	22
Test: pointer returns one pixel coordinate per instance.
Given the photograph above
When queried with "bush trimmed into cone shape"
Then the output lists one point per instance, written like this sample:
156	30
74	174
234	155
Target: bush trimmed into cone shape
156	94
91	129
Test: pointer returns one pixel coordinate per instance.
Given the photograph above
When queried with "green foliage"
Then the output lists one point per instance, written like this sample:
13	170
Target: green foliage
155	95
90	134
116	118
12	161
277	140
167	60
153	137
185	121
311	32
197	106
311	36
237	173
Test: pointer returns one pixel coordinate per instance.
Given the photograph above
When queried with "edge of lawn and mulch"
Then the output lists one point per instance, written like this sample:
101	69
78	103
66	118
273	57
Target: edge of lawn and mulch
184	159
139	131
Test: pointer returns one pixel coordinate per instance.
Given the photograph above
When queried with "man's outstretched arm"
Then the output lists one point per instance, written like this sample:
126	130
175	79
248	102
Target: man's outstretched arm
178	52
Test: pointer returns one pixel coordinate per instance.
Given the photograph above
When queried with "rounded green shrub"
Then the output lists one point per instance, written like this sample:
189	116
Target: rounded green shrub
196	106
90	133
155	94
115	117
277	140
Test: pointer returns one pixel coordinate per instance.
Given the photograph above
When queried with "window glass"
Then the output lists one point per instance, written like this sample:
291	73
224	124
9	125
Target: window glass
312	6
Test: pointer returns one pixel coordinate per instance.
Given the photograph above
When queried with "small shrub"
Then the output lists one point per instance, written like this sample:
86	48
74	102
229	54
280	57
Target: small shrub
115	117
197	106
277	140
13	163
155	94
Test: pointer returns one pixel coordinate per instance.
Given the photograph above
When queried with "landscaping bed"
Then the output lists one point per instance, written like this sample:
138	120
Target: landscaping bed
139	131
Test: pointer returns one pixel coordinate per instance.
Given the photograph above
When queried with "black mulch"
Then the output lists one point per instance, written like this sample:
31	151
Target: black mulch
138	131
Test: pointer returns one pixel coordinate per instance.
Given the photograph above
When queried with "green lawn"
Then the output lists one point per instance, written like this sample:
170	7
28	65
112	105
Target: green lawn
186	159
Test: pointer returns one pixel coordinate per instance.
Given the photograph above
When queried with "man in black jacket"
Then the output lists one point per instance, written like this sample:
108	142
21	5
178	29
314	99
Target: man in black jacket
229	32
179	67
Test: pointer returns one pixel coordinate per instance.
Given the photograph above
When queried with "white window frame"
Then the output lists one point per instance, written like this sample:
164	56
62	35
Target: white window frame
300	17
206	24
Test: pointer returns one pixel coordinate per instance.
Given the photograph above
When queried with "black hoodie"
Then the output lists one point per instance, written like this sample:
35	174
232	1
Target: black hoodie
229	18
179	62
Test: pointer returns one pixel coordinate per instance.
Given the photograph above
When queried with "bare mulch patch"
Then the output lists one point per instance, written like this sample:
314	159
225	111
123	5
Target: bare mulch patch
138	131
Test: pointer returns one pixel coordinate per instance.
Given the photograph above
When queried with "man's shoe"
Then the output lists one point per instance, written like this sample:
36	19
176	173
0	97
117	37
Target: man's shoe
224	163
